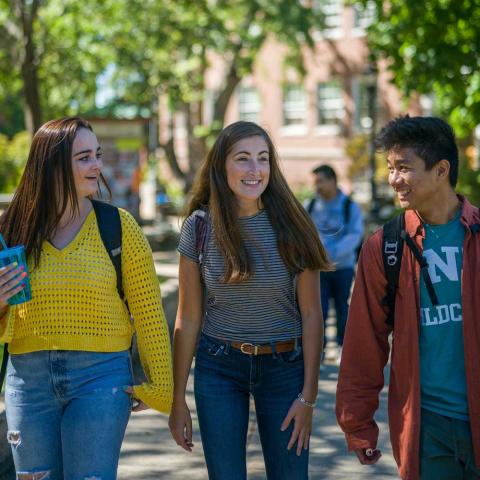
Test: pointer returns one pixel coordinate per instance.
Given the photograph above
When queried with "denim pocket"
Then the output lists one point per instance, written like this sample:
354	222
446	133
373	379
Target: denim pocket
211	346
291	359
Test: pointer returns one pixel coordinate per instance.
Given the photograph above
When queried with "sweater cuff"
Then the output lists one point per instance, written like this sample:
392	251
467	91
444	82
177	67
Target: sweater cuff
156	397
367	438
3	326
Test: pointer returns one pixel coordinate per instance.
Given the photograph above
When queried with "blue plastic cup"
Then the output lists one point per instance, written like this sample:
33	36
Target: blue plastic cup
17	254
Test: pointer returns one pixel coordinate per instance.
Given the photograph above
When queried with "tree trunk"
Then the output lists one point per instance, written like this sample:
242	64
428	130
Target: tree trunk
33	109
221	104
171	156
29	65
197	148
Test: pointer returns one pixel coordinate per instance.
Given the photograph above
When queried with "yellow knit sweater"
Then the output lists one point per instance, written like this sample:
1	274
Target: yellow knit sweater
75	306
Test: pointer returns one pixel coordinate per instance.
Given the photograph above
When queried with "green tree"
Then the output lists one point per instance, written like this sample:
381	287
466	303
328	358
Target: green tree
51	54
13	156
170	56
433	47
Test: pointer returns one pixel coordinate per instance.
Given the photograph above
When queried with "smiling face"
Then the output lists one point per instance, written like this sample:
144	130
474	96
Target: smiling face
86	163
248	172
417	188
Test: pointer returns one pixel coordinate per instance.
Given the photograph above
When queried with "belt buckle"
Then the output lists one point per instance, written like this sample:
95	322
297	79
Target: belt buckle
245	345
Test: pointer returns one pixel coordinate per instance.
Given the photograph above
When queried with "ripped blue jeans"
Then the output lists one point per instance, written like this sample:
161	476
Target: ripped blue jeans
67	413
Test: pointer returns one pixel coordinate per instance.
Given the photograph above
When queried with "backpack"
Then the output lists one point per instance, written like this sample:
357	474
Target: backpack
394	237
201	229
346	218
110	228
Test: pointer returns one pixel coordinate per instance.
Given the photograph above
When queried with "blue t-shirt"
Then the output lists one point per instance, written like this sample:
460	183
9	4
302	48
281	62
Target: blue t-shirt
442	364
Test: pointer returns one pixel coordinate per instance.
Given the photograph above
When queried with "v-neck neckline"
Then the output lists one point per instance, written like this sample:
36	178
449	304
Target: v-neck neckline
50	247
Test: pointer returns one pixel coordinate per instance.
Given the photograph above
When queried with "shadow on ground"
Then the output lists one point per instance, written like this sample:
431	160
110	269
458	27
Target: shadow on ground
149	453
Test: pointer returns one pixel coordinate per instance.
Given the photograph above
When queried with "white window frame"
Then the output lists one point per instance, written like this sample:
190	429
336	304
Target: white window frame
330	99
359	94
297	106
333	11
363	17
249	105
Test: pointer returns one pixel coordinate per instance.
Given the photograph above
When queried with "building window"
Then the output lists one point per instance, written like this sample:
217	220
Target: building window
248	104
294	105
364	15
330	105
360	95
332	10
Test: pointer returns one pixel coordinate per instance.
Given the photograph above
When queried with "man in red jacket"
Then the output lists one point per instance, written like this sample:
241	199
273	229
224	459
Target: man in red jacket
434	391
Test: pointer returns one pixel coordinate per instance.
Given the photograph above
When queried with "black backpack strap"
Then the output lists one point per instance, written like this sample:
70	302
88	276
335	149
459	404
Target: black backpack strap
475	228
310	205
423	267
346	210
392	249
110	227
3	368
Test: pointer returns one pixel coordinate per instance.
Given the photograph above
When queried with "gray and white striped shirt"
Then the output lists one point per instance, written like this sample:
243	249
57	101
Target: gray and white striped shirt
258	310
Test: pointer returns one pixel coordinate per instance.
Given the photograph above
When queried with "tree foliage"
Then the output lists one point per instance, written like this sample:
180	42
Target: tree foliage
51	54
433	46
13	156
171	56
56	52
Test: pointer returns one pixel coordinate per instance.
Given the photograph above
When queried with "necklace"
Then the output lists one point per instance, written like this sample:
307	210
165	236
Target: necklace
431	230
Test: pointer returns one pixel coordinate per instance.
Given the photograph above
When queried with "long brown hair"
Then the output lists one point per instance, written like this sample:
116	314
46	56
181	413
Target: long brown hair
46	188
298	241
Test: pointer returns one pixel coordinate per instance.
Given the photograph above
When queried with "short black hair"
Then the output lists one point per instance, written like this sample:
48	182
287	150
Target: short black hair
431	138
327	171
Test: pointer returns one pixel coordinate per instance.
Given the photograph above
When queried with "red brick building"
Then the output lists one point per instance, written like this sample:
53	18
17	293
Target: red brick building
312	118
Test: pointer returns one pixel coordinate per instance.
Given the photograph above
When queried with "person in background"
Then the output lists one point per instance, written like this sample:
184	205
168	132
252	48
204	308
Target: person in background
253	291
69	386
339	222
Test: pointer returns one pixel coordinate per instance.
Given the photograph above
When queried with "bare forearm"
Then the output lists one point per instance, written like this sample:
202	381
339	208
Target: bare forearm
184	343
312	342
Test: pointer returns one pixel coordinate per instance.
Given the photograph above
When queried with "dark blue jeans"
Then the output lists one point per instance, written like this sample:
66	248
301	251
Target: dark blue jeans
446	449
337	285
224	380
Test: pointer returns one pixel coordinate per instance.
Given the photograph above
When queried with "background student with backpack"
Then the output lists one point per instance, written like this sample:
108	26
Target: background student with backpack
249	281
339	222
69	384
418	277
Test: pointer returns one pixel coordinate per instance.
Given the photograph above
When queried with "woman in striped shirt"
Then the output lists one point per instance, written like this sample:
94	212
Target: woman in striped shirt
249	280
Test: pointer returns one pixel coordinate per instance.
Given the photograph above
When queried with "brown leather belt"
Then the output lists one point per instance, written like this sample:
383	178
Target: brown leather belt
251	349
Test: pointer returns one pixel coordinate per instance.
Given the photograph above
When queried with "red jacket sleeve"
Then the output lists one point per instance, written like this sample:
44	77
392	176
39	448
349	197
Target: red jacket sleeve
365	350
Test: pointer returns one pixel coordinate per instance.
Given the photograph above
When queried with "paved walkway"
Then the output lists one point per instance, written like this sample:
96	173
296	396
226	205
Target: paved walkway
149	452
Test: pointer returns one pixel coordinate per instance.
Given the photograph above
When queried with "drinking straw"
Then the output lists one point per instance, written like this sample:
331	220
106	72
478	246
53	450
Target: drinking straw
2	241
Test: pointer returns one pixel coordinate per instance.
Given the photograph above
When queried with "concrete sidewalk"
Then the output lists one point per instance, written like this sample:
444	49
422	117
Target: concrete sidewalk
149	452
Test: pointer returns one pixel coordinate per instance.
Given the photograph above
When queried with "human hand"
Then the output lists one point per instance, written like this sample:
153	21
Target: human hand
302	416
368	456
11	277
180	424
138	405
